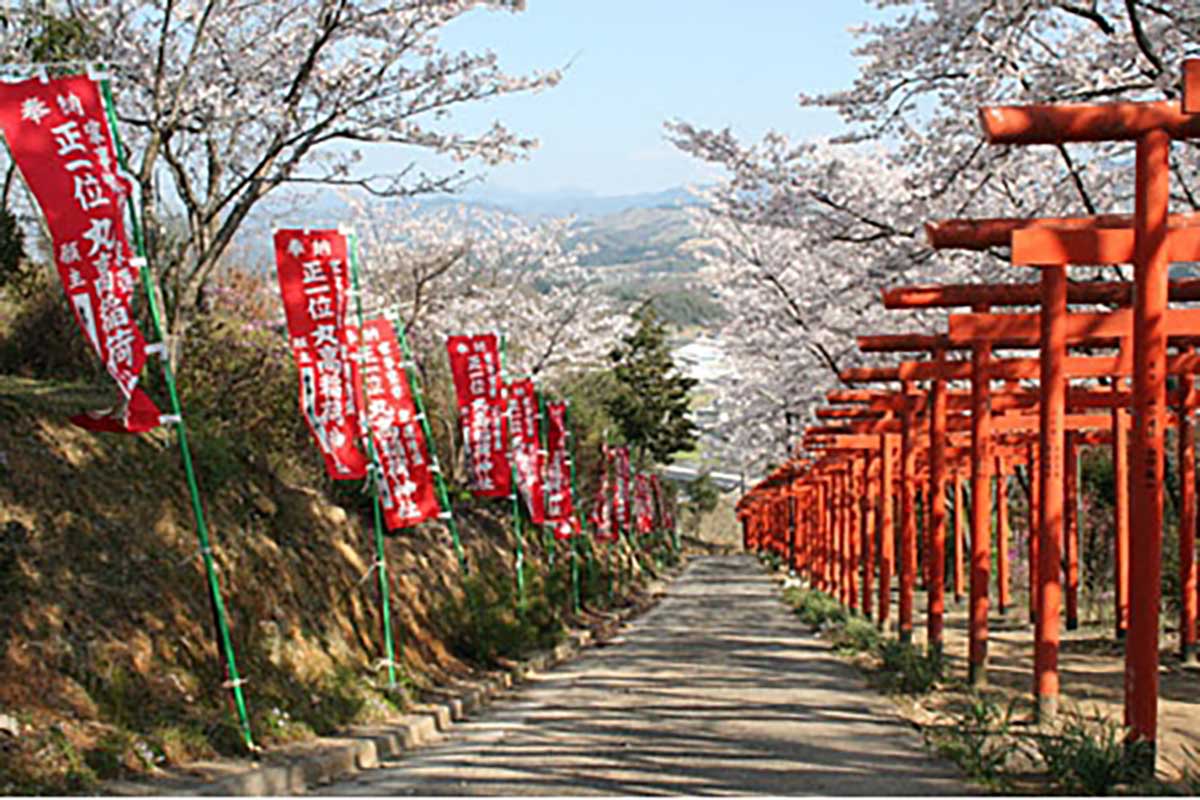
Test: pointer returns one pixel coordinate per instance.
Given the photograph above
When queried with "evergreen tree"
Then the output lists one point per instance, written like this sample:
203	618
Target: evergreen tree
652	404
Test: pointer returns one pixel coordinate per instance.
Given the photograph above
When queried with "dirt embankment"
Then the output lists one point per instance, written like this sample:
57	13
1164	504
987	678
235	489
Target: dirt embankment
107	660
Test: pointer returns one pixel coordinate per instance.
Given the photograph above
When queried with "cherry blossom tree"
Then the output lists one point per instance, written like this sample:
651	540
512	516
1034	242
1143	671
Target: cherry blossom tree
463	268
222	103
802	235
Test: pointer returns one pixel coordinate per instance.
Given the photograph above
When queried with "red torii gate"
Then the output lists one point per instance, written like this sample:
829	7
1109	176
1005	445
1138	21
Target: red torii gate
1152	126
1148	244
981	234
1016	336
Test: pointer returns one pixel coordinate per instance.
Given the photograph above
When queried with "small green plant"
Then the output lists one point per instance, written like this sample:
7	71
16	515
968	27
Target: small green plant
1092	755
858	635
77	776
908	671
485	623
282	727
182	742
818	610
976	740
772	560
1191	771
107	758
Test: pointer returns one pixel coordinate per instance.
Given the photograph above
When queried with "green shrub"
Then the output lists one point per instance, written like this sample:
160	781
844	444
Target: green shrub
485	624
1191	771
596	575
16	272
976	741
818	610
107	758
772	560
907	670
1092	755
42	340
239	385
858	635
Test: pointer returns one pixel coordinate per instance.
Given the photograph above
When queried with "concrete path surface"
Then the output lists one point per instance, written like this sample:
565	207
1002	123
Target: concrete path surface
716	691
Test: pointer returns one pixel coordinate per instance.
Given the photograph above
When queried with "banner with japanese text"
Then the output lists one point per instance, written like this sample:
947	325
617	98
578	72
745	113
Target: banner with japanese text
475	366
621	504
643	505
560	505
601	516
525	419
314	278
407	492
58	134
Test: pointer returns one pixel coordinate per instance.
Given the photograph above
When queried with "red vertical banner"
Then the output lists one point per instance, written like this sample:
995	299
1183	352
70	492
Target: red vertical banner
524	419
59	138
314	279
407	492
621	499
560	505
601	517
475	365
643	505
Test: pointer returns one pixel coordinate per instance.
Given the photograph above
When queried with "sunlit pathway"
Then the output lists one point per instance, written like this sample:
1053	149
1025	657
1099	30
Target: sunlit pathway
716	691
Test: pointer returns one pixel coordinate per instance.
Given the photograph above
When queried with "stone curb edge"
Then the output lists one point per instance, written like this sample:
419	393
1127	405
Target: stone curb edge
355	751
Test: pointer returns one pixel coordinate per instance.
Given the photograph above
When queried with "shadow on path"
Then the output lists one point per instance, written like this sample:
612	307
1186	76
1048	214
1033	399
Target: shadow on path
716	691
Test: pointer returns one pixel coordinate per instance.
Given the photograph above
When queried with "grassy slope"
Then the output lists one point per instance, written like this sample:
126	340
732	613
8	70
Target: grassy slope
105	627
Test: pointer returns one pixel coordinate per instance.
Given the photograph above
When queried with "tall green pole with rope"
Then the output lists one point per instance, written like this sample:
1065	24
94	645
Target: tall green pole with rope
547	530
439	479
616	528
374	476
234	681
516	492
577	531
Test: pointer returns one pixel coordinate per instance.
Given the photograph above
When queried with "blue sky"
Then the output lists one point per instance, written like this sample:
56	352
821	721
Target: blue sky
636	63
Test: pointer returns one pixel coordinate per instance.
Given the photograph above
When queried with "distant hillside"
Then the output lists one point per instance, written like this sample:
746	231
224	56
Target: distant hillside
639	241
568	202
642	254
648	238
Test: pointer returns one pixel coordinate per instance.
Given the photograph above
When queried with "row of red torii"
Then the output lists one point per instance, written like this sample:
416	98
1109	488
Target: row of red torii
832	510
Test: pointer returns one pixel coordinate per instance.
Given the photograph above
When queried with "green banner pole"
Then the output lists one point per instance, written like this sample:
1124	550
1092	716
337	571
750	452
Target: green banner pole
547	531
623	531
575	537
375	475
516	492
589	560
224	640
674	525
608	552
439	479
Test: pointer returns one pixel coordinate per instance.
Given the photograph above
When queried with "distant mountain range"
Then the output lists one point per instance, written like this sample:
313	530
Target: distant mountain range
564	202
638	242
652	238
